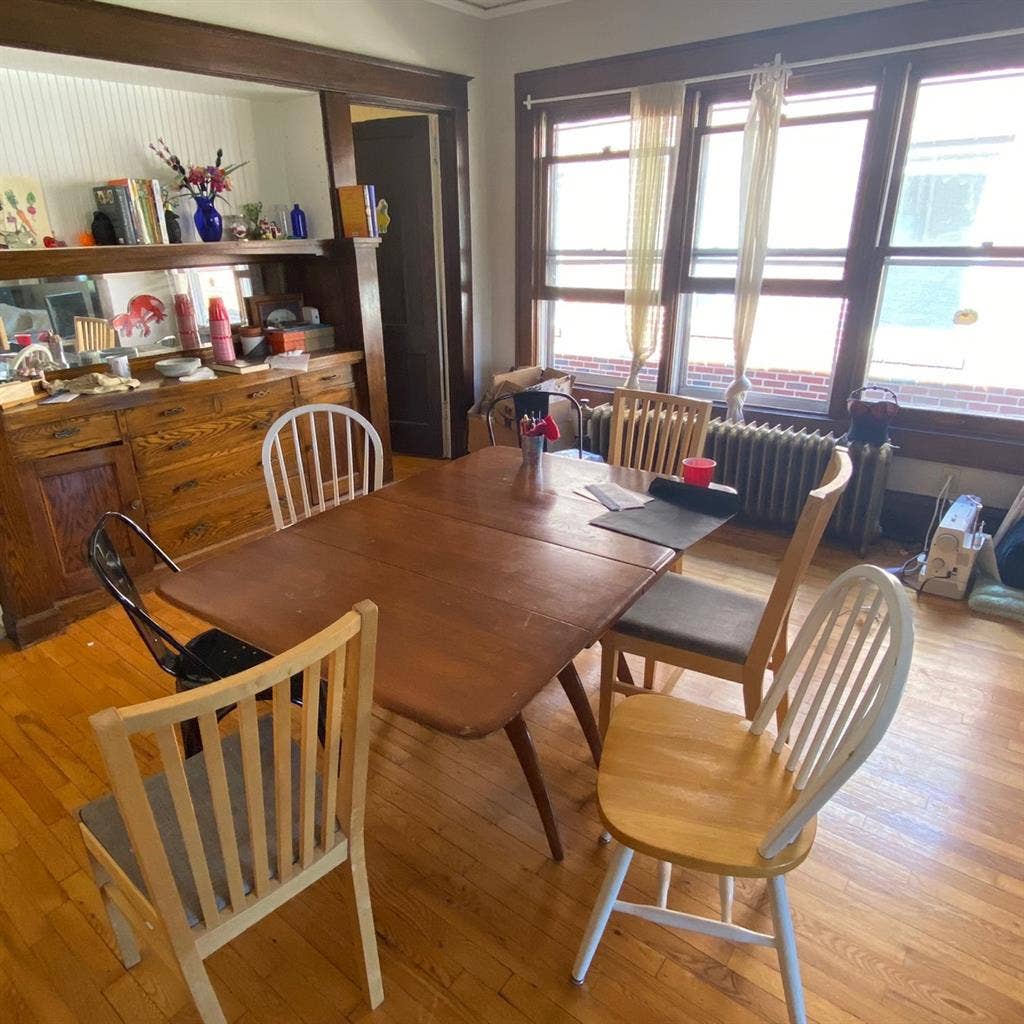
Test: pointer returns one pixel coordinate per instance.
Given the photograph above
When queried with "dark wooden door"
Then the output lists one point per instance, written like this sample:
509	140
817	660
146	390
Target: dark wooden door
73	491
393	155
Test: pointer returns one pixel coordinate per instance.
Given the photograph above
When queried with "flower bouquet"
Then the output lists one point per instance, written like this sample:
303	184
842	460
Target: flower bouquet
204	184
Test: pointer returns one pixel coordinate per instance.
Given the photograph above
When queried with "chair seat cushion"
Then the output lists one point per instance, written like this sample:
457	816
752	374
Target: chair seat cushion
103	819
683	612
692	785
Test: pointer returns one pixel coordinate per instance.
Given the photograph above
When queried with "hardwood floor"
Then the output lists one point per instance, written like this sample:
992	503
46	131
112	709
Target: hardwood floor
909	909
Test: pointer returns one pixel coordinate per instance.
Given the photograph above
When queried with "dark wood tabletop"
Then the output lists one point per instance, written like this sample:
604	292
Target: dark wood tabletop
483	597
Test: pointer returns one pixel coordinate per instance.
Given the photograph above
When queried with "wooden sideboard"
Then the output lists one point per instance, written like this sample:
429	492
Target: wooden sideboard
183	460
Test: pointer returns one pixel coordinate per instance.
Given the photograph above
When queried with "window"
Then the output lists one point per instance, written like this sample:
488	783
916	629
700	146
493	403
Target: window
895	249
582	316
948	332
814	197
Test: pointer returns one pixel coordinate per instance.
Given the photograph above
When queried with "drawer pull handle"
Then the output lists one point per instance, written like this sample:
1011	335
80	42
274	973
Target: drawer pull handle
66	432
187	485
176	411
196	531
258	394
331	376
178	445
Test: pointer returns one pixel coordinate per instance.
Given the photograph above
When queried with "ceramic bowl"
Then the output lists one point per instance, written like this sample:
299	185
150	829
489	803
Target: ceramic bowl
177	367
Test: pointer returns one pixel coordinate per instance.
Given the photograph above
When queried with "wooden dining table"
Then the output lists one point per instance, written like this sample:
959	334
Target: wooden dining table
489	578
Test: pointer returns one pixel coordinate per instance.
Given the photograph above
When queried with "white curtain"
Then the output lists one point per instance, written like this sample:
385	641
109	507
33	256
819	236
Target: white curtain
656	115
760	142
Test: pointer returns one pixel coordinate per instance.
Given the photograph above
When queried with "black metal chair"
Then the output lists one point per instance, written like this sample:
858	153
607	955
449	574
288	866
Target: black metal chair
211	655
536	402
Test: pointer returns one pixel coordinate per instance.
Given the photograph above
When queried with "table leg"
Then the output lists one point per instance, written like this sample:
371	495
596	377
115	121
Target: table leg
522	744
573	686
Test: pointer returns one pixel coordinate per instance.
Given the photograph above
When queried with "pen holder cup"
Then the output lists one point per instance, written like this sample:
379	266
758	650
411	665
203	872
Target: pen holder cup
532	448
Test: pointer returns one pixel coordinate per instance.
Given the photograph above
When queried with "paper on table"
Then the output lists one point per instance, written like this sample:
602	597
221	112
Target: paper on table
203	373
617	498
61	396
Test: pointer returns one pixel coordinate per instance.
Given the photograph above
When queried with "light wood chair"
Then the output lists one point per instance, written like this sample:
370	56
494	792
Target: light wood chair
324	472
719	631
697	787
193	856
4	345
656	432
93	333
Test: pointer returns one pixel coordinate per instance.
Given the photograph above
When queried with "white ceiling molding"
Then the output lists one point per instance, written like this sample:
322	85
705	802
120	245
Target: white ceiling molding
494	8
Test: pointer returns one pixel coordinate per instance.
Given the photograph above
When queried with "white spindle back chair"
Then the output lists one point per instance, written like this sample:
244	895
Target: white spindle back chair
199	870
311	456
845	674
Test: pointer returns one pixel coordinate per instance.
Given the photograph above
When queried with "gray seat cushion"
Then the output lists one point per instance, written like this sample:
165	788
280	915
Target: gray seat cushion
695	616
103	819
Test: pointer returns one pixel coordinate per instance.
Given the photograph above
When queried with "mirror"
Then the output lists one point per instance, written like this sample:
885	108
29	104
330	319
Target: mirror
141	310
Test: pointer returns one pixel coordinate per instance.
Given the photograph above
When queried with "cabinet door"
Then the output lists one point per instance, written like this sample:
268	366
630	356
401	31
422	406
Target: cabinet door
73	491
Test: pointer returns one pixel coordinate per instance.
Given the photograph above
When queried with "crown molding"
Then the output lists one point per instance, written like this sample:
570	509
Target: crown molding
488	13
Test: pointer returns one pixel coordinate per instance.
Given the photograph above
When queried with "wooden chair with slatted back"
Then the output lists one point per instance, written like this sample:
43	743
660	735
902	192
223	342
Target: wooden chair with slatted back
656	432
192	856
722	632
93	333
319	464
4	345
691	785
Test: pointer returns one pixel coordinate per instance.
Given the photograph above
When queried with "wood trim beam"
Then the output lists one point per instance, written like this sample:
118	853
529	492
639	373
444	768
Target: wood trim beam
102	31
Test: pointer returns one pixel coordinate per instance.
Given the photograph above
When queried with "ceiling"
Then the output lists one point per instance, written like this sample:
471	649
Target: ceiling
494	8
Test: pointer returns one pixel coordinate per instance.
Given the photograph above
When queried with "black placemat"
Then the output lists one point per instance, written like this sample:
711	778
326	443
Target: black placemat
689	514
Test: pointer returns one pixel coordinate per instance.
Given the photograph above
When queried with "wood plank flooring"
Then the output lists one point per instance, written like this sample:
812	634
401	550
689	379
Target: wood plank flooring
909	909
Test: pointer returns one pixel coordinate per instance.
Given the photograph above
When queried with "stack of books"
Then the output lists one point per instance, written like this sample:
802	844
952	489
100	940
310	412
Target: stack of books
135	208
358	205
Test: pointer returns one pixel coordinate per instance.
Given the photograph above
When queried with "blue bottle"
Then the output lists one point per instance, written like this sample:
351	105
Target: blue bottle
298	222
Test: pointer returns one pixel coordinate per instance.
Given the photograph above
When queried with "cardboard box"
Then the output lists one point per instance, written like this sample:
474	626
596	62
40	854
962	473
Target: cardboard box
525	378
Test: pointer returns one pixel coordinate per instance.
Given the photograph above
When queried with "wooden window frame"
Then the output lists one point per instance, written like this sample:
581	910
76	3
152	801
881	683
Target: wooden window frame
986	442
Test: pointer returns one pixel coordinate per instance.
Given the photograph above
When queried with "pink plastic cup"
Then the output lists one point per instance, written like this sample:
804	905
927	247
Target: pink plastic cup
698	471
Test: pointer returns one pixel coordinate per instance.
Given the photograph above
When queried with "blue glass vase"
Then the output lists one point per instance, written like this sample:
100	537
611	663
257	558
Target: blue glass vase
207	219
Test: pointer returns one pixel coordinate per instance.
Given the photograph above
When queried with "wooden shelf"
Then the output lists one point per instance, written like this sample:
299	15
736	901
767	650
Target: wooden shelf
16	264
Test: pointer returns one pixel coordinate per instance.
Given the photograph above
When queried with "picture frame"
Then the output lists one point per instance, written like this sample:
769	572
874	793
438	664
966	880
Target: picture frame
274	310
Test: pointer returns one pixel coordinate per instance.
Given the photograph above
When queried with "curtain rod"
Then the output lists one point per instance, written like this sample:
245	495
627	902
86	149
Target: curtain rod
529	102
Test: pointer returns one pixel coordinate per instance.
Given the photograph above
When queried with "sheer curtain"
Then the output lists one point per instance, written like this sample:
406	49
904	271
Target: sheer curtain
760	142
656	115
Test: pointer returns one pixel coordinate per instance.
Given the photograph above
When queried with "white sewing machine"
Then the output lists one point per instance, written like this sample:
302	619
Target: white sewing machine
948	565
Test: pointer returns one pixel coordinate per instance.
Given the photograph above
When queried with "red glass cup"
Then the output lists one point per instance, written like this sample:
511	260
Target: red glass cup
698	471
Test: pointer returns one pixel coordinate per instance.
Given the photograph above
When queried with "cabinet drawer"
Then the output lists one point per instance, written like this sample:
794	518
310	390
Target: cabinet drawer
204	439
317	382
59	436
182	486
344	395
180	409
212	522
251	396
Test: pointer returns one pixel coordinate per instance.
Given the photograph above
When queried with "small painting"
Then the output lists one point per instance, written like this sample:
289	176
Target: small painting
24	222
273	310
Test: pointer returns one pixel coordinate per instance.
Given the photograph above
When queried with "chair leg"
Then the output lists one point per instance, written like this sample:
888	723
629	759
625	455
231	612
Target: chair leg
569	677
785	943
664	881
522	744
726	890
649	668
753	691
609	659
602	911
197	979
124	935
357	890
